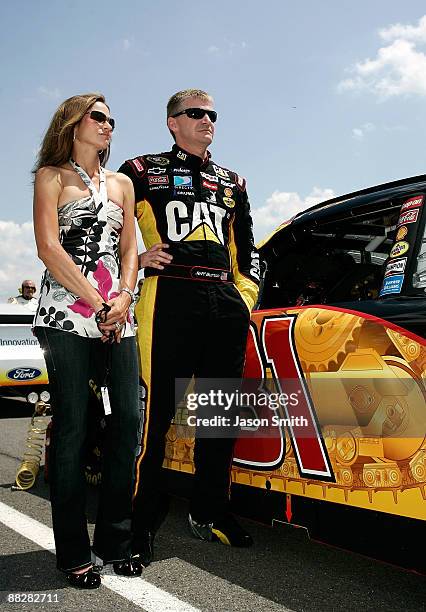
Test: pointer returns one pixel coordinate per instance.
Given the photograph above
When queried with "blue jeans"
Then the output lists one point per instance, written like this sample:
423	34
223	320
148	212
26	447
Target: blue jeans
71	361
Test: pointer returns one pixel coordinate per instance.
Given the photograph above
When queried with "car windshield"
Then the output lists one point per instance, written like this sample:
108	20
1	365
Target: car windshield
344	256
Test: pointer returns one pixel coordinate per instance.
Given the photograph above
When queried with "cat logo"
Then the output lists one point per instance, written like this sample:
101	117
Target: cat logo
204	222
221	172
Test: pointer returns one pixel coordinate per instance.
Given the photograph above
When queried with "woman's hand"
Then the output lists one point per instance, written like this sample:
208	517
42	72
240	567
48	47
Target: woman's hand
116	317
155	257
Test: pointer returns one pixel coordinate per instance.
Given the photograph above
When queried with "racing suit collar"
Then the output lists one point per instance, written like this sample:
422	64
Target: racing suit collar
189	159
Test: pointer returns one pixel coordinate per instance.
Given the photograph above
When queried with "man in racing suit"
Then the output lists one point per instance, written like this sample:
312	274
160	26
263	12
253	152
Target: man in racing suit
201	282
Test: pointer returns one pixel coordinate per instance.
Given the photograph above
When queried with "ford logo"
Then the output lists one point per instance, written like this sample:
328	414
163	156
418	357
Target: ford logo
23	374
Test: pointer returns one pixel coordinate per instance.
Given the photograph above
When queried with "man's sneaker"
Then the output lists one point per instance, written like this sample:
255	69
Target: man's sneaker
143	548
227	531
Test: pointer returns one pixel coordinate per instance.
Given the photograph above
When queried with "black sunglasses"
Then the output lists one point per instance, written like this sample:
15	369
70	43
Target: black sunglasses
100	117
198	113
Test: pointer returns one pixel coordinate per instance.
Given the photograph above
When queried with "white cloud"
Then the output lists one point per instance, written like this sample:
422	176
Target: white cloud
408	32
360	132
399	68
18	256
52	94
126	44
228	48
281	206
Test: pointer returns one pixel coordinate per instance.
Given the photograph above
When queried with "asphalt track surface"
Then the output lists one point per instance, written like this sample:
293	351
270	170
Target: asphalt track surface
285	570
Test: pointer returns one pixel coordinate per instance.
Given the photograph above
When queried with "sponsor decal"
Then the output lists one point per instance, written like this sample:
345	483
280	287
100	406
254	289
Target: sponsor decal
393	284
211	198
221	172
408	217
415	202
228	192
158	180
137	164
210	177
399	248
182	170
240	181
184	182
211	186
182	155
188	192
183	219
226	183
161	161
396	267
229	202
155	187
402	232
156	171
23	374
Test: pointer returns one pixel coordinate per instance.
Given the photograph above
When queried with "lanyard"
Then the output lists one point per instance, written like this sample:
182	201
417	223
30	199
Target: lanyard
100	197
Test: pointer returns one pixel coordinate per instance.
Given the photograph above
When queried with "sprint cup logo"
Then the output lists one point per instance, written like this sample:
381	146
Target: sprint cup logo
22	374
399	248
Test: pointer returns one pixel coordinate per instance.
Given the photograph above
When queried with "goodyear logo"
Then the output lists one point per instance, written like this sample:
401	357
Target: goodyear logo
21	374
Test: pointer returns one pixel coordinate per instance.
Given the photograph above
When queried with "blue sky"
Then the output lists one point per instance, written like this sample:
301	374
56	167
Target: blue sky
314	98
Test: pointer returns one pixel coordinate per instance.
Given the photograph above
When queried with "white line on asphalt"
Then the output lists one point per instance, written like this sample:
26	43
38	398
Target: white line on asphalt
137	590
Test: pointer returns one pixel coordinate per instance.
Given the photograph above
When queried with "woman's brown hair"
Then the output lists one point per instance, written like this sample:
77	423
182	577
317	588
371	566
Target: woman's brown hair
57	143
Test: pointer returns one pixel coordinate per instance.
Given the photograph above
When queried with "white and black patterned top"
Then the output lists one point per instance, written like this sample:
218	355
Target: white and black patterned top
89	231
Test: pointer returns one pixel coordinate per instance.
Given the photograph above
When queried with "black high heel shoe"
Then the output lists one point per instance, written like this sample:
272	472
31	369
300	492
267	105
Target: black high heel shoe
130	567
86	580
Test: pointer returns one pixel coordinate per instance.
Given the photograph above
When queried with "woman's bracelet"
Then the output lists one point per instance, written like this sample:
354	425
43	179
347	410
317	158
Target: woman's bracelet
130	293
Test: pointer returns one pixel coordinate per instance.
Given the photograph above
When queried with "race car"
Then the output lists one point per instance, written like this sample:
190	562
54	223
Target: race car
23	374
340	332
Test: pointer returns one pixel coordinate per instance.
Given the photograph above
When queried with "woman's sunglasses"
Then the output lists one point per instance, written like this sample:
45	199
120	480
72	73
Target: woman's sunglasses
198	113
100	117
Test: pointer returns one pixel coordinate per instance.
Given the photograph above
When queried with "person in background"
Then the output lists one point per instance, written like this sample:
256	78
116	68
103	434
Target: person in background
85	235
201	282
26	298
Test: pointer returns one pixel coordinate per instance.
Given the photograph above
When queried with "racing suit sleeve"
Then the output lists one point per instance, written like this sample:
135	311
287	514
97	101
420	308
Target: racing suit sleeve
244	256
135	169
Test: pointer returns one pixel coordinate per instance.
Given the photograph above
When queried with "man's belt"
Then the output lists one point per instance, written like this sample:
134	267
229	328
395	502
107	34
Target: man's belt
197	273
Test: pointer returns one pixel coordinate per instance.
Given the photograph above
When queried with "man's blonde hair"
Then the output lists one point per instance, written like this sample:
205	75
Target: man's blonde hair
174	104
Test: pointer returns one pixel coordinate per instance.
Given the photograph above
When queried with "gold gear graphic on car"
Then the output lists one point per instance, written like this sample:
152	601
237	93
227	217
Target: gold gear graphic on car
324	337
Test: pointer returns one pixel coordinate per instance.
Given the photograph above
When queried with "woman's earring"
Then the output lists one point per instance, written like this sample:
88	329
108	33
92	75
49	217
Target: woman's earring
73	138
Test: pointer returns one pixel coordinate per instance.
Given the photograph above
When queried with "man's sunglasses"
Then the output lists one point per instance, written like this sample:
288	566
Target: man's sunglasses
198	113
100	117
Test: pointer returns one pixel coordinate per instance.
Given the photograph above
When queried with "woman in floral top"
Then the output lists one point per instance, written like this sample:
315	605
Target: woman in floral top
84	229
